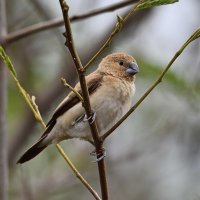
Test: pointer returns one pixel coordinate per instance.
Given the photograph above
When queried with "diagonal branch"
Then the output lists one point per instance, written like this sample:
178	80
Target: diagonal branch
72	89
86	101
17	35
193	37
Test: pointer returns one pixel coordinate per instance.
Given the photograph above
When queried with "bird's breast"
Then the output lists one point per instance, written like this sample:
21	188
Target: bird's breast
111	102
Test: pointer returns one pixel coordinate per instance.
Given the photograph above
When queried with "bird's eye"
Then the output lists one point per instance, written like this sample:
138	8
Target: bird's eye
121	62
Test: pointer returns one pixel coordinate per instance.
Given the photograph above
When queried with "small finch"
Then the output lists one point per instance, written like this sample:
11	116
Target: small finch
111	88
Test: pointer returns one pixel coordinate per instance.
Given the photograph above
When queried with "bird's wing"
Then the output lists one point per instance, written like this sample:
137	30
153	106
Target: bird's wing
93	82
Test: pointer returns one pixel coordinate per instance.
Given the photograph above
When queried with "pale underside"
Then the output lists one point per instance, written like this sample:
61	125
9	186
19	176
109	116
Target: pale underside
109	103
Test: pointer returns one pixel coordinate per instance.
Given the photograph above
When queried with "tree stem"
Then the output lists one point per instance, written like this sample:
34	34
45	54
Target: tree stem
86	101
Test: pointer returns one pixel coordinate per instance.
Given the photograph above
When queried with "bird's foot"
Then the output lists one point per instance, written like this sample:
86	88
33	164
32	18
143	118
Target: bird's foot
91	118
99	155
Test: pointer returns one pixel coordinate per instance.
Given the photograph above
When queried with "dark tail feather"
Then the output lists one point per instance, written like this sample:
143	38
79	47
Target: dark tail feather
37	147
32	152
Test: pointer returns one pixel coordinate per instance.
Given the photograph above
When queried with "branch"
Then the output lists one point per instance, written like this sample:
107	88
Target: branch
193	37
86	101
46	98
17	35
72	89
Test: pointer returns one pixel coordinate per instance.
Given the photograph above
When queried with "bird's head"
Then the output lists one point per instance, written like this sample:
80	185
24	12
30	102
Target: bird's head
120	65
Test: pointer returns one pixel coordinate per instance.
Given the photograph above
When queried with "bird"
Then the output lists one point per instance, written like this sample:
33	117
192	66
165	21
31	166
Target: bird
111	88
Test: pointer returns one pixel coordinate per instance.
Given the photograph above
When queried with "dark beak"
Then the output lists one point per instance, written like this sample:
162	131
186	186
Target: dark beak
132	68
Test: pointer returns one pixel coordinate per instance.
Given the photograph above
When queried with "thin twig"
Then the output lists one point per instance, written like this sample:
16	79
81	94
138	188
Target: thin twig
17	35
72	89
193	37
86	103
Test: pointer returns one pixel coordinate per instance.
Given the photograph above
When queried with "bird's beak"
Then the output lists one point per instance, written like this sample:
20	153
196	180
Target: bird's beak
132	68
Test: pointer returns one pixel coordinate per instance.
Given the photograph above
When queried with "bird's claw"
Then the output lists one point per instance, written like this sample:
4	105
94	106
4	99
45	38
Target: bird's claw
99	155
91	118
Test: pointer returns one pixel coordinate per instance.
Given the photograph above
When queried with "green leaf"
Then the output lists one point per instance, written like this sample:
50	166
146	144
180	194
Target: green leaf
152	3
7	61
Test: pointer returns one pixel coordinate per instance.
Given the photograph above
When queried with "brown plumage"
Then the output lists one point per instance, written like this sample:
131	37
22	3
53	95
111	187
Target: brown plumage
111	89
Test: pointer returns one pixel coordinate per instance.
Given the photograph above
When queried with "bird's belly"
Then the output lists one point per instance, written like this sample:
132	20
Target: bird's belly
108	112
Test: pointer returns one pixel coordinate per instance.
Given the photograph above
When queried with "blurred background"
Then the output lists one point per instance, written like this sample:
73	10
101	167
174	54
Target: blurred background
155	153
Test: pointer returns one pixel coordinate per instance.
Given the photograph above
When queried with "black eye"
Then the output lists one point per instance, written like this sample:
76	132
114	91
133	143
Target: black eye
121	62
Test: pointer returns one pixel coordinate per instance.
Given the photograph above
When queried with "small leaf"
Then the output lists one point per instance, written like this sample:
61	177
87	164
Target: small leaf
7	61
152	3
120	19
119	24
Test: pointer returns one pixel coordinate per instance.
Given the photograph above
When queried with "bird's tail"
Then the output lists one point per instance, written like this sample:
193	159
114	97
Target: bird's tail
39	146
33	151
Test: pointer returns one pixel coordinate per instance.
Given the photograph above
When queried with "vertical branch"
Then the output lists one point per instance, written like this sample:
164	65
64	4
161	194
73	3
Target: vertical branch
86	101
3	141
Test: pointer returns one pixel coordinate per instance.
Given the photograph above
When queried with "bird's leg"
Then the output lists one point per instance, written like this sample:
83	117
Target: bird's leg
91	118
99	155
